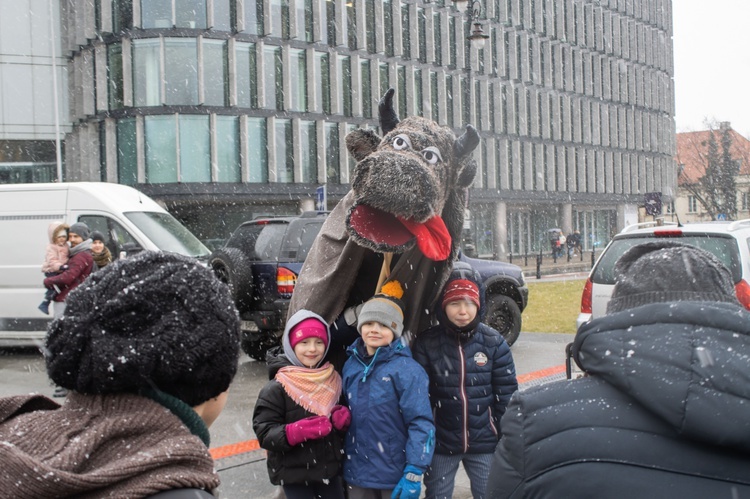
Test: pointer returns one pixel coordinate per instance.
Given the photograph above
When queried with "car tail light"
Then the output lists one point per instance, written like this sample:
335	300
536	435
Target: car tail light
668	233
586	297
742	290
285	281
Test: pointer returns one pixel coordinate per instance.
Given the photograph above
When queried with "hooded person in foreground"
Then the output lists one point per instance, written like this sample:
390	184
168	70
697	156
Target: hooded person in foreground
664	410
147	349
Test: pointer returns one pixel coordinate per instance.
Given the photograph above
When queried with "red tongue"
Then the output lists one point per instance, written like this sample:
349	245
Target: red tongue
433	238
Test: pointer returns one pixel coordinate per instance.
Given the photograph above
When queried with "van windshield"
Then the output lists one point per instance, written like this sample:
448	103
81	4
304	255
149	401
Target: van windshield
167	233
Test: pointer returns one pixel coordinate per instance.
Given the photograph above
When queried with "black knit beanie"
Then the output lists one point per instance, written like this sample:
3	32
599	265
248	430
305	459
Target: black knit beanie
155	320
666	271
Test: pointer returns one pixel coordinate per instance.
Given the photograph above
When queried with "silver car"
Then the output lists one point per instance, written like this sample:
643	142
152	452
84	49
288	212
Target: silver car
729	241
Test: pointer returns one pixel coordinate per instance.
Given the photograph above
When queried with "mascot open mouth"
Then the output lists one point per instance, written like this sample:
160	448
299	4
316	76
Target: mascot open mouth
387	230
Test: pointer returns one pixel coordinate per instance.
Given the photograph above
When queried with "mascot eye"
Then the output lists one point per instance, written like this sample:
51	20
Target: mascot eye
432	155
401	142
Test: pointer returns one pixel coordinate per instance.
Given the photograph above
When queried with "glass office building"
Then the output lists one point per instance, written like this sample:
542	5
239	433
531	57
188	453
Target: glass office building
227	109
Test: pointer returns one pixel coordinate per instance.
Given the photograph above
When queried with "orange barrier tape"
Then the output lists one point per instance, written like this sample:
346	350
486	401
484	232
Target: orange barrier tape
542	373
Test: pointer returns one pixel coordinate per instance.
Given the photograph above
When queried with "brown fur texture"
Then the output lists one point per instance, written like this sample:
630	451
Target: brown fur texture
419	170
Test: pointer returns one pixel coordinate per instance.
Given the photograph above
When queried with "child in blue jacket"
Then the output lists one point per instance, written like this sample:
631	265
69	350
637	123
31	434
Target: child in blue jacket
390	441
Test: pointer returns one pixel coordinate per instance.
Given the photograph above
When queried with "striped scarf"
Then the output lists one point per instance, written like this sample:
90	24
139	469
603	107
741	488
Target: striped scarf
316	390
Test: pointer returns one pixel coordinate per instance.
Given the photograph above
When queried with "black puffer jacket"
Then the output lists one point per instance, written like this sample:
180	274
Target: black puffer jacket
472	377
311	461
665	411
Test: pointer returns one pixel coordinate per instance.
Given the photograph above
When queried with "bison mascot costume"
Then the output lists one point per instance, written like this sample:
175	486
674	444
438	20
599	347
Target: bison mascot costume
400	223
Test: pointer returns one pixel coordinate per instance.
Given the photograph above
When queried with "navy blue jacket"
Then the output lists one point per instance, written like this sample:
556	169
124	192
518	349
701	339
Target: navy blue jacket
472	377
391	417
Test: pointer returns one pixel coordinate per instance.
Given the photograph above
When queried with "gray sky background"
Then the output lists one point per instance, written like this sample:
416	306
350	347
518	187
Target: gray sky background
712	63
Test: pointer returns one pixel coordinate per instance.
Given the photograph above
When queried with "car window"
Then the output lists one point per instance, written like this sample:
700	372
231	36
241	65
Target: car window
299	239
723	247
269	241
244	238
115	235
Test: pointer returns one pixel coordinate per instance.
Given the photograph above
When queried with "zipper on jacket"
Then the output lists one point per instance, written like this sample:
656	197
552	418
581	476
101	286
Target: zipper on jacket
464	401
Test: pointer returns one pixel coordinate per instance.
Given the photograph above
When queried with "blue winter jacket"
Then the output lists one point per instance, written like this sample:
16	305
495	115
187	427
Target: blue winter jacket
391	416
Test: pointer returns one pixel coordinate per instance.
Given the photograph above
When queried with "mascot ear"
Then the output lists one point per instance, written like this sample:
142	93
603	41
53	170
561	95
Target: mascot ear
388	117
361	143
467	174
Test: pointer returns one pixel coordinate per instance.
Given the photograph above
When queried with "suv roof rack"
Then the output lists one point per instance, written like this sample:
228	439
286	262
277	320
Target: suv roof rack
643	225
738	224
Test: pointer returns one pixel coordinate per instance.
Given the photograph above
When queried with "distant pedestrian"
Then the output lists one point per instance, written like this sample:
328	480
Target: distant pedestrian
99	252
55	259
391	438
79	266
148	349
472	377
664	410
298	417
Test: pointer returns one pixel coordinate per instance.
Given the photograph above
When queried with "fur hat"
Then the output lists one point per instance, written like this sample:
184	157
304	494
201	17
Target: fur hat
156	320
667	271
97	236
385	308
81	229
308	328
460	289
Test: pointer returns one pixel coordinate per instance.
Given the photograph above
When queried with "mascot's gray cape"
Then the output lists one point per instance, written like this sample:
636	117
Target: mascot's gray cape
408	197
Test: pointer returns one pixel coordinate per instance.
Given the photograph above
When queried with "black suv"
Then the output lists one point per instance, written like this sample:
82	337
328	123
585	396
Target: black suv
262	258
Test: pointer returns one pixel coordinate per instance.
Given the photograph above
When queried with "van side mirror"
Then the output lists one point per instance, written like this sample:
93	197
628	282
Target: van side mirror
129	249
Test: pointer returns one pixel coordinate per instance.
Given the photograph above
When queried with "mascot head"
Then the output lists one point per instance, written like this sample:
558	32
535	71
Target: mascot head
403	183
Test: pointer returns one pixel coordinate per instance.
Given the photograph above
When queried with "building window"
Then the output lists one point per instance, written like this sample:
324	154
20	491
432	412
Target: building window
351	26
181	78
323	91
195	149
745	201
257	156
227	149
417	92
161	149
329	21
449	100
402	109
146	76
434	97
190	13
247	75
280	18
127	152
156	14
364	67
384	81
333	153
122	15
182	14
692	204
388	27
298	76
253	17
422	30
215	75
284	152
273	74
452	41
436	40
305	19
345	98
309	150
370	22
222	15
114	75
406	31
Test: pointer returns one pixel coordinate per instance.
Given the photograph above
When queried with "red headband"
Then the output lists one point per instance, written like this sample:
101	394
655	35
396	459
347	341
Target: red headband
461	289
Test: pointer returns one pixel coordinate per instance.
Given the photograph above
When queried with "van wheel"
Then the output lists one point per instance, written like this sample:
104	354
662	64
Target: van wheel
231	268
504	315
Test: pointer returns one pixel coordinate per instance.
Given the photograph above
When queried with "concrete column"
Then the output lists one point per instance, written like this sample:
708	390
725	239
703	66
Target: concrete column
566	212
501	230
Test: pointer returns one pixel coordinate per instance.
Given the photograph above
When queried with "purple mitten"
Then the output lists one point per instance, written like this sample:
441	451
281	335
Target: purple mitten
341	417
310	428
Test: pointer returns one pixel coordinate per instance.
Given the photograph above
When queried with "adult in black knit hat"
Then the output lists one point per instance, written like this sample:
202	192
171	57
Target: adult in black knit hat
664	410
147	347
157	320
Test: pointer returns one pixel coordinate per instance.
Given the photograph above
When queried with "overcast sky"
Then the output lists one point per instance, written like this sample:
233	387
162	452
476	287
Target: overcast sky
712	63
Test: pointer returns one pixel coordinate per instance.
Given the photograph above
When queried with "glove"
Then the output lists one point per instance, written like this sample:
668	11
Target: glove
311	428
352	313
341	417
408	487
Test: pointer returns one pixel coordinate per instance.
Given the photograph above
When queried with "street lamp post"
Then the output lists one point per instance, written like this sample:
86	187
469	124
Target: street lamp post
477	38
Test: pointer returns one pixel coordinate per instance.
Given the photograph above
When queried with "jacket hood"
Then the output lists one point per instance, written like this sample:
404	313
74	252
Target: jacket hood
295	319
688	363
54	228
396	348
275	360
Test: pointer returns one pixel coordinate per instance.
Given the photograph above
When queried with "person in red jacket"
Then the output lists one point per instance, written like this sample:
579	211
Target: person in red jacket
80	265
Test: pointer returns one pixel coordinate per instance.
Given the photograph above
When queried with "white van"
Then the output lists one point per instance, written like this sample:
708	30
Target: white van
129	220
